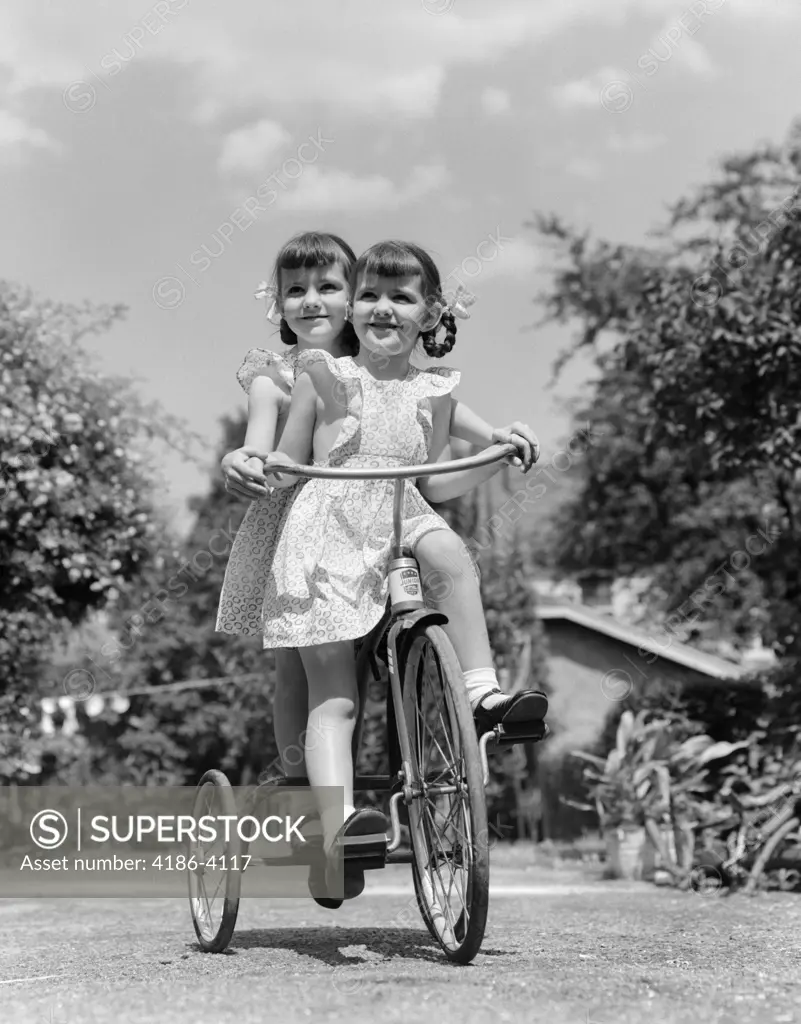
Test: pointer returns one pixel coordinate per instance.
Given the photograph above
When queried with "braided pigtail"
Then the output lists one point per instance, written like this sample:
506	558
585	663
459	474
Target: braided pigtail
288	336
349	339
439	348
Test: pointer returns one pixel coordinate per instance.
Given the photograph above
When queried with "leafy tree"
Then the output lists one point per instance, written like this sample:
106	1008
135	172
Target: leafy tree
698	354
76	490
712	313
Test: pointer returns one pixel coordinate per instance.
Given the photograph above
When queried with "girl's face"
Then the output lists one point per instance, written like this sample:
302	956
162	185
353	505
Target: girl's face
313	301
387	314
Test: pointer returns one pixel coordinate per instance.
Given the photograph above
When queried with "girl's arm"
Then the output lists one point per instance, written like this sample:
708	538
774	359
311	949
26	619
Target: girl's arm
437	489
297	439
467	426
242	469
264	404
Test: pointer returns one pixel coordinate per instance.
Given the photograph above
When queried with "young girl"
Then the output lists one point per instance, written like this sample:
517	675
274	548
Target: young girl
327	584
311	289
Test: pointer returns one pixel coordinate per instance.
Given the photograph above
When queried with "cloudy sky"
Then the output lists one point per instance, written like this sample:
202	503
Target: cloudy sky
157	154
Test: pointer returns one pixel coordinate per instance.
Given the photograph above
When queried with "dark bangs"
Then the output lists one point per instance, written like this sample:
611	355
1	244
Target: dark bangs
397	259
313	249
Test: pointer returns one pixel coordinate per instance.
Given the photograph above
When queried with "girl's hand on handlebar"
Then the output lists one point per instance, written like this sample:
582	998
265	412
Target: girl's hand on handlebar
244	474
524	439
279	479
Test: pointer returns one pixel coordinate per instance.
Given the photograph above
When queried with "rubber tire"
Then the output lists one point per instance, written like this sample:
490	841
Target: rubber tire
233	881
477	895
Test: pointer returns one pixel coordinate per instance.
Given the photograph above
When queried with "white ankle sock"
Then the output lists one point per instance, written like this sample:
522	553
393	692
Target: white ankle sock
332	820
479	683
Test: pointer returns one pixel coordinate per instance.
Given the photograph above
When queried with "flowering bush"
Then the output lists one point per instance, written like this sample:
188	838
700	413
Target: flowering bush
76	488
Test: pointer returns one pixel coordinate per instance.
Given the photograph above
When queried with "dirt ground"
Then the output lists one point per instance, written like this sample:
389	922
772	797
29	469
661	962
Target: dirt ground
562	947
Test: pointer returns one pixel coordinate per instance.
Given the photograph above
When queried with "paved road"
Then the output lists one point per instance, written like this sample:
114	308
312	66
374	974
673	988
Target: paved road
560	949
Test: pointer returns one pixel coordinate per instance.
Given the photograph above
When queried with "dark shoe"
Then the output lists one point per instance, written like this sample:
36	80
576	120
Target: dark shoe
365	828
363	825
312	833
354	882
318	882
517	709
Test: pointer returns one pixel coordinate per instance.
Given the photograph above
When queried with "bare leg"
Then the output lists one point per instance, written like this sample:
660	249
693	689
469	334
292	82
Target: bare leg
290	711
333	697
450	586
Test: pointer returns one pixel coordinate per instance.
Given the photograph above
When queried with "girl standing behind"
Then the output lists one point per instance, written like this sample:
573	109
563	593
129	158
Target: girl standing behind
311	290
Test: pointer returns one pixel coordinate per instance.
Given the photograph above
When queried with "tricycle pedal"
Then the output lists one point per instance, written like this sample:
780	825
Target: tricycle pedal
525	732
368	852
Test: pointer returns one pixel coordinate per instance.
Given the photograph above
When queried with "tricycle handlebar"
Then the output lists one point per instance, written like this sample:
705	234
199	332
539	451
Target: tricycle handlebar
492	454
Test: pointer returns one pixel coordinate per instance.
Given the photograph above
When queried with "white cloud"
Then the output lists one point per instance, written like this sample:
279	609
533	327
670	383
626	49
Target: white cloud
516	258
495	102
381	59
609	87
253	148
16	134
776	10
587	92
401	72
378	60
674	43
413	93
636	142
695	57
584	167
324	189
761	10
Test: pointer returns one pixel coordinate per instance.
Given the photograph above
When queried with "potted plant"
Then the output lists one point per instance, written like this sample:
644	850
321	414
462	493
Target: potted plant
651	793
618	789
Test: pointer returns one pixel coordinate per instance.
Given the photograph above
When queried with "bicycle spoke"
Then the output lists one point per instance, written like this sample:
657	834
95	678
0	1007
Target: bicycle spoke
205	915
462	843
440	764
446	729
214	894
449	861
434	741
454	914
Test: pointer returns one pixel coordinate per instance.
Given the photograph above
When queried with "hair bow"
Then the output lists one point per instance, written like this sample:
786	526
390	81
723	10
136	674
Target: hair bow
458	303
264	291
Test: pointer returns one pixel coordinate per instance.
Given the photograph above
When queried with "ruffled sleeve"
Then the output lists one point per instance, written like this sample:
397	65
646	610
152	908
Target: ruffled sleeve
261	363
316	359
340	375
313	357
436	380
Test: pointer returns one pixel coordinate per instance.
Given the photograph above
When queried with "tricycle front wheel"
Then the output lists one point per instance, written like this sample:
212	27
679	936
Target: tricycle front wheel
448	817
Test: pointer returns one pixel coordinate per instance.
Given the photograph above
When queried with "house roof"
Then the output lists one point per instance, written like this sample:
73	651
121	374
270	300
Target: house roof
679	653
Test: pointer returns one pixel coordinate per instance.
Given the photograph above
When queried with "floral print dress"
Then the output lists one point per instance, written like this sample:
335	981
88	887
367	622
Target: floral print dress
328	577
242	594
